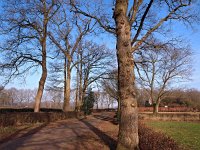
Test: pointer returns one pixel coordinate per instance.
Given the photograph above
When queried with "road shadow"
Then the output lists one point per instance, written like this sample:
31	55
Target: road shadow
12	136
110	142
22	137
107	118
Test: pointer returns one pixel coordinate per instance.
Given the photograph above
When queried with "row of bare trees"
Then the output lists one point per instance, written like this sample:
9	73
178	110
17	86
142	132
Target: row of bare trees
25	98
16	97
54	99
48	35
39	31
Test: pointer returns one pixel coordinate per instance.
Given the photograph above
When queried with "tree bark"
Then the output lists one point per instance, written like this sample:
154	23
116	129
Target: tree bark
128	126
40	90
66	105
118	109
77	87
65	82
79	83
84	88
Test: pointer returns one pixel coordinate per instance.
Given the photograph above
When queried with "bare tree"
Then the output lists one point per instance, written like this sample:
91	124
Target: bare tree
95	62
55	98
110	84
17	97
133	22
97	98
5	98
69	29
26	22
161	64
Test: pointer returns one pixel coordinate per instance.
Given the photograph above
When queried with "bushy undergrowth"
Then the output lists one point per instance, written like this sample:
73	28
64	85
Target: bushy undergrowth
151	140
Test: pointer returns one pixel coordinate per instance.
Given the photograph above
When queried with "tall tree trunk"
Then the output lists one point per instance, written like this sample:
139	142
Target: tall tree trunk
77	91
65	81
80	80
128	126
66	105
44	67
77	87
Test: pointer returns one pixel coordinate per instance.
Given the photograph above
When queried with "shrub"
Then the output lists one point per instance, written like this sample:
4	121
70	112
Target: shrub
88	102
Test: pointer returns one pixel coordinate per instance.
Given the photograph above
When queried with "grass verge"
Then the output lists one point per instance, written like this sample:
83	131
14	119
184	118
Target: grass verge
187	134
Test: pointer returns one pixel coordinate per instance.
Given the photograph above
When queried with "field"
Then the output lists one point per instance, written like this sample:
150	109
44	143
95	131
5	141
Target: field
187	134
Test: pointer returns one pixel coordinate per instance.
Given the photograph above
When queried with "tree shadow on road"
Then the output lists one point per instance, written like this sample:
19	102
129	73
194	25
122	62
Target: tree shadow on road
10	137
13	136
106	118
104	137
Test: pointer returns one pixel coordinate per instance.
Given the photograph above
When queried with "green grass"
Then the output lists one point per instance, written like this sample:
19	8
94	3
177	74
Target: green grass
187	134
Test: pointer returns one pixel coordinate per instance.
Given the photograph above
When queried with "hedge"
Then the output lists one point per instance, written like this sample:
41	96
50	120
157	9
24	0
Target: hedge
19	118
9	110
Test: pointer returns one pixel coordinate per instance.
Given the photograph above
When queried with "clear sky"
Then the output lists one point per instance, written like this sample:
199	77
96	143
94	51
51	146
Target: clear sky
195	44
193	37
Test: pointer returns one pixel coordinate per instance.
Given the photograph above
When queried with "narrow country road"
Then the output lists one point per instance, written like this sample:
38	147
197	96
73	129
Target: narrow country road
93	133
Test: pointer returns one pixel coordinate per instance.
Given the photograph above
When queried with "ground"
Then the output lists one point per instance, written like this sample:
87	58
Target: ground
98	131
95	131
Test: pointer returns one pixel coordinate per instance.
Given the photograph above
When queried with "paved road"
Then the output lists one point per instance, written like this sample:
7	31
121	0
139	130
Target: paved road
71	134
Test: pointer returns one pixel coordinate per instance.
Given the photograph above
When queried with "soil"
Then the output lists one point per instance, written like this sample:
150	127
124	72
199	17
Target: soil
96	132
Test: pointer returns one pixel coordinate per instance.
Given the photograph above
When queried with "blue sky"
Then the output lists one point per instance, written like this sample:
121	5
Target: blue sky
193	37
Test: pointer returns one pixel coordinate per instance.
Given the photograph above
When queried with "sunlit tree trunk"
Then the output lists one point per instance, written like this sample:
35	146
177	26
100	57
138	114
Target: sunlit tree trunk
66	106
40	89
80	80
128	126
44	67
77	87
